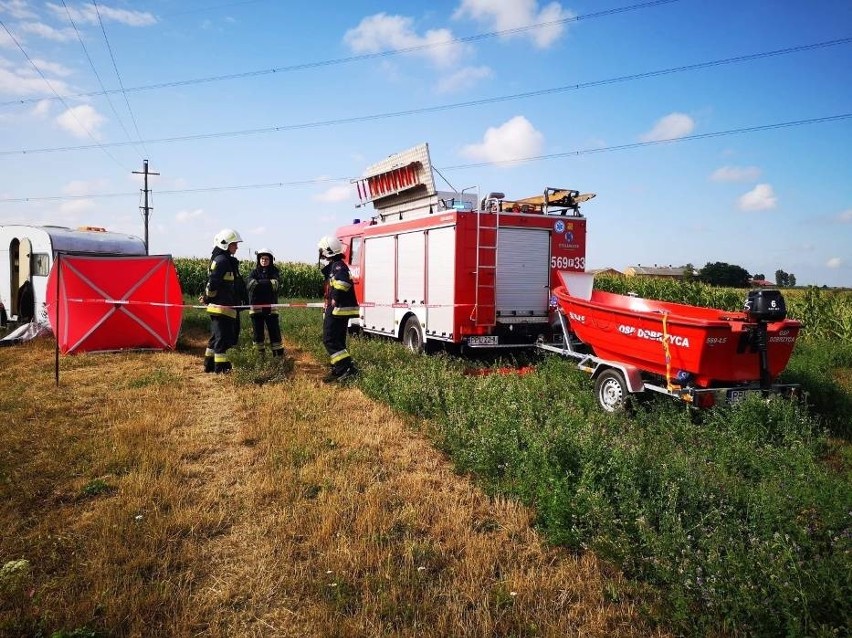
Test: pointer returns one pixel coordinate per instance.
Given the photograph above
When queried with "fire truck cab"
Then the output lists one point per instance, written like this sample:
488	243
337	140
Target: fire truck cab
432	266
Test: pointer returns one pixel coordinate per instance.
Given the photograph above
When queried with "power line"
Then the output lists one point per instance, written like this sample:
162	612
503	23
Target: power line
94	70
64	103
457	105
356	58
523	160
118	75
685	138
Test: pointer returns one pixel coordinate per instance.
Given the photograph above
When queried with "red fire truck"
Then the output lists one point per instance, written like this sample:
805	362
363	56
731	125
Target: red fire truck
433	266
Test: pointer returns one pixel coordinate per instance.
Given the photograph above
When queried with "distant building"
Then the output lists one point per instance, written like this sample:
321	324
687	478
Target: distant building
666	272
762	283
605	271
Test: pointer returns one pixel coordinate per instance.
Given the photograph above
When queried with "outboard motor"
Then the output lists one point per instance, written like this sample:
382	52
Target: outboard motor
761	307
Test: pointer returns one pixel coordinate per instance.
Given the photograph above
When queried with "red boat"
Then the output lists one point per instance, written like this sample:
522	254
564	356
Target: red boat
687	345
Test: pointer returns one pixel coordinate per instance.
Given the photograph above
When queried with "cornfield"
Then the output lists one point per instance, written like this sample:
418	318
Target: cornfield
298	280
826	314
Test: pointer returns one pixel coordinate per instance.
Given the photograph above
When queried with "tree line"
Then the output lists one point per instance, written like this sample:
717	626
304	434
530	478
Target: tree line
719	273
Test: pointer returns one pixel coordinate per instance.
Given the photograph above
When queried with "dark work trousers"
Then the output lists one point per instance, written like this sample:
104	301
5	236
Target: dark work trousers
224	332
334	339
268	320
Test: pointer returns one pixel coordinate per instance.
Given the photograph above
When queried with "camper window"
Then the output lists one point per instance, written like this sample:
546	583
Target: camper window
40	264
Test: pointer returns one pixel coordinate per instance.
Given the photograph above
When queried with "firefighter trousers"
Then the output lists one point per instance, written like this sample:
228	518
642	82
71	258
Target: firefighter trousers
224	332
263	322
334	331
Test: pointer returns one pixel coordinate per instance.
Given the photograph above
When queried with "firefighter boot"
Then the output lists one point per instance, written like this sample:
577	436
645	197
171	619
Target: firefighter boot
341	374
209	364
331	377
348	374
223	367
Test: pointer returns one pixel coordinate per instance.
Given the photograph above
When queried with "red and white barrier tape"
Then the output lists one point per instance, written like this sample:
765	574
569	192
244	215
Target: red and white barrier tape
366	304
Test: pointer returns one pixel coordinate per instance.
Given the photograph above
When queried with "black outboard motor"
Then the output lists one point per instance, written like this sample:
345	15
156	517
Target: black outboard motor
761	307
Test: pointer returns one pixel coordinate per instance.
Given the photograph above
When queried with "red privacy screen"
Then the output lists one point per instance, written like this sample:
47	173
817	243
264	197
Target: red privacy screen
114	303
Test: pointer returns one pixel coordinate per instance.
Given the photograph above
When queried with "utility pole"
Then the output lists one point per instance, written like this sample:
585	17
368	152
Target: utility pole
146	210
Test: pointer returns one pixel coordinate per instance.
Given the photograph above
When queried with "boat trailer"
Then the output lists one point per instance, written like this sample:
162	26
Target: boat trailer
616	381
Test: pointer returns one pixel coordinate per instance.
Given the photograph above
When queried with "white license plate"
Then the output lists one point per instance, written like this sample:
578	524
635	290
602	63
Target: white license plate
482	340
737	395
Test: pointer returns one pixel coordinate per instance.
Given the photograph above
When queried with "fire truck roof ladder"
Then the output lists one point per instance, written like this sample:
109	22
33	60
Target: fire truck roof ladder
487	240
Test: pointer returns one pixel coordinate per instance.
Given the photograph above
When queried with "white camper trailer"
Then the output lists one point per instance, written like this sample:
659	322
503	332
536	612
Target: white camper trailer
27	254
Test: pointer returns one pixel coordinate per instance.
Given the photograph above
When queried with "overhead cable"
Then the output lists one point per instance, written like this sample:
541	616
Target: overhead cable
521	160
352	58
447	107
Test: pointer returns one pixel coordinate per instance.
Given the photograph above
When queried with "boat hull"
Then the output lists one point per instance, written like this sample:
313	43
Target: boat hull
714	346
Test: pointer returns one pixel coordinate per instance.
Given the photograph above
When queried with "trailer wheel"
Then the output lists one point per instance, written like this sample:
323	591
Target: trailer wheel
412	335
611	390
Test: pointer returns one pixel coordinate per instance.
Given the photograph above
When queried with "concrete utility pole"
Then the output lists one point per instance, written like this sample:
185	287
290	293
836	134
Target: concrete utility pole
146	210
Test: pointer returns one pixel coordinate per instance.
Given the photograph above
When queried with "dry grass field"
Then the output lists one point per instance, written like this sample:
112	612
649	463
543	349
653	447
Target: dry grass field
150	499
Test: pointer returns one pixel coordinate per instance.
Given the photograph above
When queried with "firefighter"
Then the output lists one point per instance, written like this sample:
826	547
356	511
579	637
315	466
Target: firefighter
262	285
340	305
224	291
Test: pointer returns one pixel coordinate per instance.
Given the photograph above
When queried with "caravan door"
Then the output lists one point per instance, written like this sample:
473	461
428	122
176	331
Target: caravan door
20	271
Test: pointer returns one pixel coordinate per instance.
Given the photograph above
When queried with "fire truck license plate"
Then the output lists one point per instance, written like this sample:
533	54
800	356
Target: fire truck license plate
483	340
737	395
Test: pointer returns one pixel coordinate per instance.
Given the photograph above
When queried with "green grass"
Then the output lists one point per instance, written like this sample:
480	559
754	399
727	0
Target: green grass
740	516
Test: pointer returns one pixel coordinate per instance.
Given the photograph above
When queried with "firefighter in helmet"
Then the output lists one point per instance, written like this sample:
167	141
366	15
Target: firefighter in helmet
262	284
340	305
225	291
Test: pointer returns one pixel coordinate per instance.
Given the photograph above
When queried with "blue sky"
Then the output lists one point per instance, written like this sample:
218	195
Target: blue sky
282	104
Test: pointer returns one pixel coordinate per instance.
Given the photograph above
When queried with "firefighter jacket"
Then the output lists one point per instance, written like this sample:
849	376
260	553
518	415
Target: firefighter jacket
339	292
225	286
263	284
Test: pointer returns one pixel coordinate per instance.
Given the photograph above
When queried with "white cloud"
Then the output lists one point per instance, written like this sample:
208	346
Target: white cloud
340	193
184	216
845	217
17	9
76	206
670	127
834	262
81	121
515	139
80	187
54	68
735	174
6	42
46	31
761	197
501	15
25	81
383	32
88	14
463	78
42	108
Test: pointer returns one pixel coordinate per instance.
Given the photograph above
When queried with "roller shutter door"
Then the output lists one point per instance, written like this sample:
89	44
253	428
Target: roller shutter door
523	269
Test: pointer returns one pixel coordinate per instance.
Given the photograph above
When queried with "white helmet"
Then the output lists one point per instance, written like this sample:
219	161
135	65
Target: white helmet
330	246
264	251
226	237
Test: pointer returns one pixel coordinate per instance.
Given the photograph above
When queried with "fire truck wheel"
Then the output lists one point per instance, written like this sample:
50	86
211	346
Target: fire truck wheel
412	335
611	390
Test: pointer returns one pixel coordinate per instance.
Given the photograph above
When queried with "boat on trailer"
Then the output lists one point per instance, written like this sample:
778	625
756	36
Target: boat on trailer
701	355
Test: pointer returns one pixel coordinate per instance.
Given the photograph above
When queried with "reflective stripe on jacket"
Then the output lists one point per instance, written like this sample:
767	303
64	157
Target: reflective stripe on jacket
224	284
262	285
340	293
